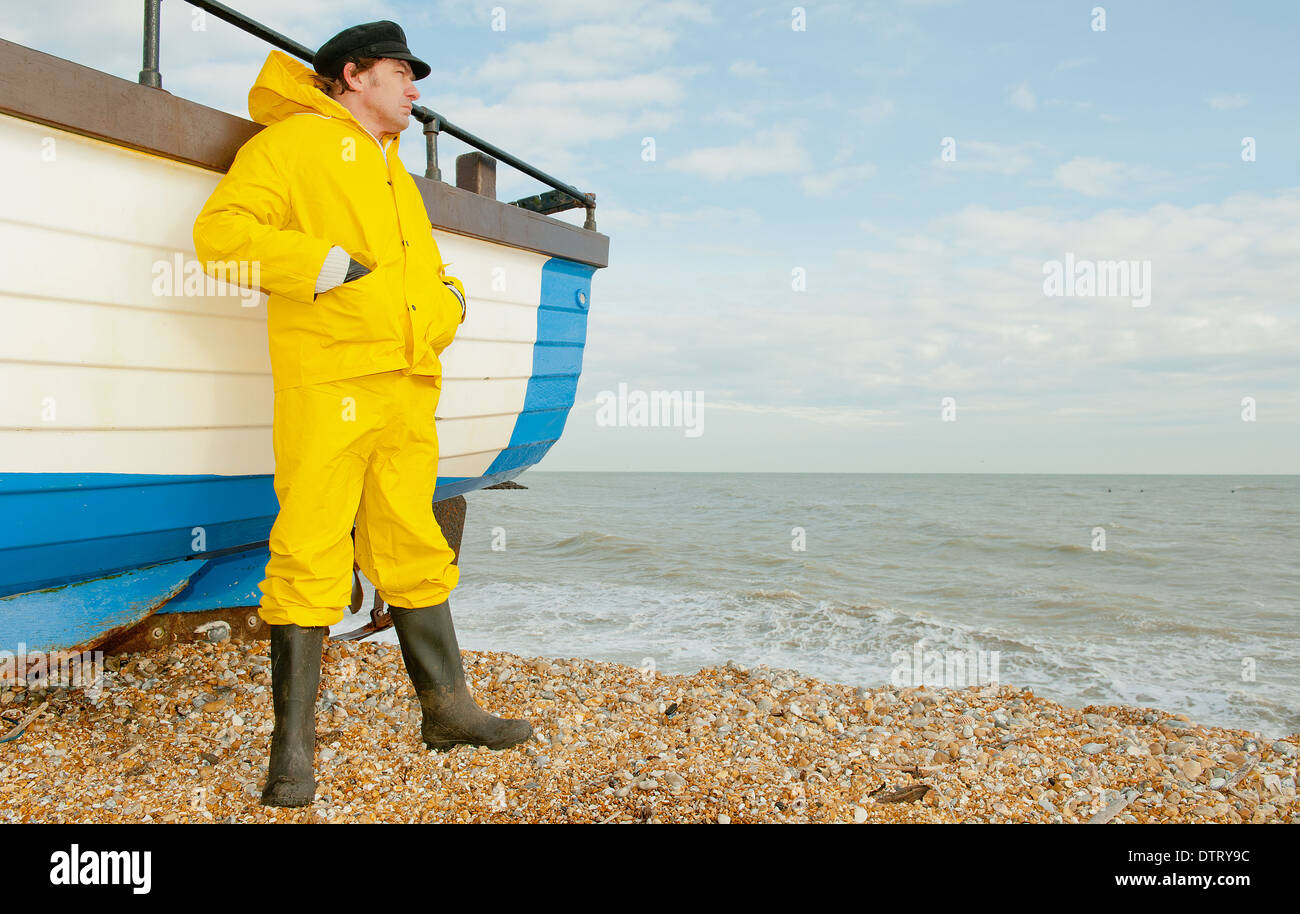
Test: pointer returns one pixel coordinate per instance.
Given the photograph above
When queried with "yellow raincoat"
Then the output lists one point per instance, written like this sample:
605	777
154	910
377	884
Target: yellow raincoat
315	178
355	369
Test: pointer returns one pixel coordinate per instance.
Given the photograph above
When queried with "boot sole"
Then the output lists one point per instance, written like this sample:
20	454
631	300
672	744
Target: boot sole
282	797
445	744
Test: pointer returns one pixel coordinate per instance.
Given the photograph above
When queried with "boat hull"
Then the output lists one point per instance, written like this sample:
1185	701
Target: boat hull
136	429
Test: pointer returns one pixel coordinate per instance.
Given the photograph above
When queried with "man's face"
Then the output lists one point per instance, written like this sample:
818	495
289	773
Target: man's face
386	93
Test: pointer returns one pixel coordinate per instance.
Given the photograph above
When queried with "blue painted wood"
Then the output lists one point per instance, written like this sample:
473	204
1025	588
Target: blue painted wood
554	357
557	363
223	583
70	527
78	527
76	615
450	487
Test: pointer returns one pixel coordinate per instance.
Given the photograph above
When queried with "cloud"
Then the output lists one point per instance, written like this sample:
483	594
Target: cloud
566	74
1094	177
585	51
758	155
732	118
544	120
747	69
824	183
991	158
957	307
550	14
875	112
662	88
828	415
1023	98
1223	102
704	219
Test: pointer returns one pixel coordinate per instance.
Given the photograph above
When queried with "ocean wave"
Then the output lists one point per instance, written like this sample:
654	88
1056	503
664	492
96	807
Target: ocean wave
593	544
1111	553
773	594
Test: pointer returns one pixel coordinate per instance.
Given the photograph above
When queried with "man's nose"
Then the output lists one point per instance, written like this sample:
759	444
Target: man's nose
412	92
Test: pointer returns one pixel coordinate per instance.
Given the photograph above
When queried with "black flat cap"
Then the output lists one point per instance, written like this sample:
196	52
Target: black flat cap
370	39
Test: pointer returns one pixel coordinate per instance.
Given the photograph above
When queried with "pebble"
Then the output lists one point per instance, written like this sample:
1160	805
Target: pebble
607	751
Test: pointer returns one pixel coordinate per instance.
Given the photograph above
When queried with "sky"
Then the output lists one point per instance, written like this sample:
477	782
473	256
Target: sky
833	227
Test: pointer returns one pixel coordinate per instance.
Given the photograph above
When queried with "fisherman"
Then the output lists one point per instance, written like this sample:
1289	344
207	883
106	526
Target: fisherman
360	308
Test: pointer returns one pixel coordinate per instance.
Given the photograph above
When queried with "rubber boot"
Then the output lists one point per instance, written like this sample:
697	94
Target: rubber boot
295	677
432	658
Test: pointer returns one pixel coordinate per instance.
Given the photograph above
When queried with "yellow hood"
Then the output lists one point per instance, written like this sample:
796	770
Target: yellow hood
284	88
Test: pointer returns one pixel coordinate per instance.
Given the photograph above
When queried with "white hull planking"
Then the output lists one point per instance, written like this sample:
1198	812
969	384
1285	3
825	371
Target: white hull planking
138	383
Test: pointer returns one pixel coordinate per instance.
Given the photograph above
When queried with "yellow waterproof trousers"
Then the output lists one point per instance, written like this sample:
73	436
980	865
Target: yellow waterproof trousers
365	450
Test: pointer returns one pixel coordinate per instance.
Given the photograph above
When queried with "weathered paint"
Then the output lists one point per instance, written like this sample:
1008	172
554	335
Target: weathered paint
83	615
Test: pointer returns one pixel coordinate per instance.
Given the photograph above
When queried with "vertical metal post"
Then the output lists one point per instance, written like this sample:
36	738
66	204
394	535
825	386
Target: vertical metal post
150	75
590	224
431	169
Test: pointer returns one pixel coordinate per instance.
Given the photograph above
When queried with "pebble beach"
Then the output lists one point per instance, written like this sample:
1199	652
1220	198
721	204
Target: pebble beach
181	734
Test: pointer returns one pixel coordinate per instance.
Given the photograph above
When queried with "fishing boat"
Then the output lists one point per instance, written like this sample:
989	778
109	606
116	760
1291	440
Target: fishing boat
136	462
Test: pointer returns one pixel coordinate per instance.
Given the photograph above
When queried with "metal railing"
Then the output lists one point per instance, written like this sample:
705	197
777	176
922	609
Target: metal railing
564	196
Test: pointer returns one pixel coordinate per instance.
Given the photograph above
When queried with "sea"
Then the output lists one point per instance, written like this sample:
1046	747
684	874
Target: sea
1180	593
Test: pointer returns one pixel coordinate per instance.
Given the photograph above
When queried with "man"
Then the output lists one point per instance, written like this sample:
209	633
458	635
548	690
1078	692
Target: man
359	310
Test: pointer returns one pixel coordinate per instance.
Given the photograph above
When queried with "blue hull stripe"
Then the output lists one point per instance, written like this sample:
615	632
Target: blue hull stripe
557	362
128	521
85	527
70	527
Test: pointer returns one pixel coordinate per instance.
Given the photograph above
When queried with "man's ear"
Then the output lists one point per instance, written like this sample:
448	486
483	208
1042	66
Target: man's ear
356	76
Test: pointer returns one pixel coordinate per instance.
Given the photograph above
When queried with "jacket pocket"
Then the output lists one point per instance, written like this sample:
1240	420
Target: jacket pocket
360	311
445	321
462	300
